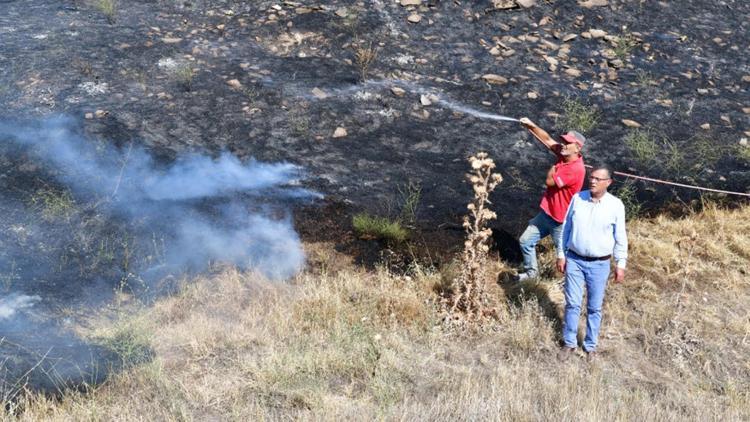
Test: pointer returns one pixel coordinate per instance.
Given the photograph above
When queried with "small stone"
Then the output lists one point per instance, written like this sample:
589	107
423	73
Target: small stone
743	142
702	91
495	79
706	126
504	4
746	110
532	95
319	93
411	2
597	33
399	92
414	18
526	3
171	40
234	83
726	119
495	51
569	37
630	123
342	12
100	113
424	100
89	116
746	78
220	27
340	132
573	72
593	3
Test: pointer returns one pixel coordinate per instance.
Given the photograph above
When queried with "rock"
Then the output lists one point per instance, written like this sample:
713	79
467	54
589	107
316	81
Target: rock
89	116
100	113
340	132
171	40
526	3
234	83
399	92
630	123
743	142
746	110
424	100
414	18
342	12
504	4
726	119
597	33
319	93
545	21
573	72
569	37
495	51
411	2
593	3
706	126
495	79
532	95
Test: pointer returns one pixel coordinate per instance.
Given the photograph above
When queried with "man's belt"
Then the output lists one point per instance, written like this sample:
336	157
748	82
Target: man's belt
589	258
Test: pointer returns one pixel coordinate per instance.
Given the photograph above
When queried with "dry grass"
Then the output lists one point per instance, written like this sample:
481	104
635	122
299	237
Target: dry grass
340	343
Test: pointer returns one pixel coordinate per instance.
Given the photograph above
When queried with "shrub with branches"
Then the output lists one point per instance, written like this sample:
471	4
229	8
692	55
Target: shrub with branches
471	298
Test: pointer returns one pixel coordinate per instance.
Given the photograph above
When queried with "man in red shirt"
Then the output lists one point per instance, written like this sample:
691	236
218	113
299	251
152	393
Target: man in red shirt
564	179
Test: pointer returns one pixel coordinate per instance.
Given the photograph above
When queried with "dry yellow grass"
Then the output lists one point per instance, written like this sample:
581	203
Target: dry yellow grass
341	343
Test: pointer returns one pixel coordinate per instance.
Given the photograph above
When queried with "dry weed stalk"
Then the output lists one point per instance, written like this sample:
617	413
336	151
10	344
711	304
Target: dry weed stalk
471	297
364	56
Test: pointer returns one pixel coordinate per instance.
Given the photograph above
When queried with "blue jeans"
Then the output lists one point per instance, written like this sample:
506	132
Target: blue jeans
593	276
541	226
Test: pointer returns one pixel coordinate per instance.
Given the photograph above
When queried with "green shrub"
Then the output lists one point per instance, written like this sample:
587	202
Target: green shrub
578	116
642	145
108	8
368	226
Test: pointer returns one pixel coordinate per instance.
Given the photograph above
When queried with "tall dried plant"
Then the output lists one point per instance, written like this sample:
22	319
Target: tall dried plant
471	297
364	56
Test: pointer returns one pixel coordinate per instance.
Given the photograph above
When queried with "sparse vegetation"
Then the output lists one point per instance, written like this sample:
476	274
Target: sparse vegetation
624	45
382	228
642	145
627	192
578	116
53	204
184	74
410	194
108	9
129	339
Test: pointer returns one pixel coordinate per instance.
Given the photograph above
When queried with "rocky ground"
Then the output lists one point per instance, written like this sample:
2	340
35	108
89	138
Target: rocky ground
282	81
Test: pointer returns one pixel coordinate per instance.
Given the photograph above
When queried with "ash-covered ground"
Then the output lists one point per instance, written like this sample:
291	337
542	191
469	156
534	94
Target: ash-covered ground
660	86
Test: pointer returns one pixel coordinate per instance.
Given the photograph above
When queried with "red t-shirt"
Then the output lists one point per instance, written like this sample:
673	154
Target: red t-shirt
568	182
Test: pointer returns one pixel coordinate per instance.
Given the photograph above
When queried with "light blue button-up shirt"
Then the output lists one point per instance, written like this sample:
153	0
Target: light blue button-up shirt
595	229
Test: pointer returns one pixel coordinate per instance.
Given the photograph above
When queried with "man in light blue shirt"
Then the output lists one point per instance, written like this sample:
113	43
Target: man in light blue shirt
593	231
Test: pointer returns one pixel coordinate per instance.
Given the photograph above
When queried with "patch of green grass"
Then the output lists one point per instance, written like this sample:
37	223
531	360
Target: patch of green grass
642	145
130	341
578	116
705	151
743	152
382	228
108	9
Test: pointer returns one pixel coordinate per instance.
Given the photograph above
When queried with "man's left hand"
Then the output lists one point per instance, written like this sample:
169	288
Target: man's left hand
619	275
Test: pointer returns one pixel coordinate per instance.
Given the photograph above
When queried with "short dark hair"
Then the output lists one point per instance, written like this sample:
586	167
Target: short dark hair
605	167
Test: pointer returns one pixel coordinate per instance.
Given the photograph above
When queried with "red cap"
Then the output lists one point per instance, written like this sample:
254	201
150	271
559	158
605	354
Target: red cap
574	137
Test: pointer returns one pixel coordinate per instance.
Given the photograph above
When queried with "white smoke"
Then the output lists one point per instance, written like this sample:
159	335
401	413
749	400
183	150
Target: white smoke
14	303
172	198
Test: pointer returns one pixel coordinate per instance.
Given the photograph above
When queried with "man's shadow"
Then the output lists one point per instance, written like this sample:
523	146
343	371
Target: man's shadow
546	290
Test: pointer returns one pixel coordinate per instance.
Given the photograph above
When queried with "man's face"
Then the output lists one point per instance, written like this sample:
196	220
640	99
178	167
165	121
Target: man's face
599	181
569	149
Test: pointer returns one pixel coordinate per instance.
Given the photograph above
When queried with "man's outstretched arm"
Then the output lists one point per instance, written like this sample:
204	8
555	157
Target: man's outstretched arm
539	134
